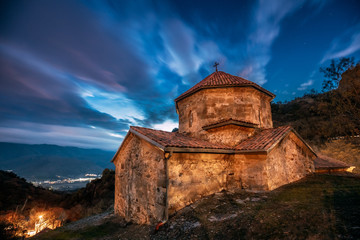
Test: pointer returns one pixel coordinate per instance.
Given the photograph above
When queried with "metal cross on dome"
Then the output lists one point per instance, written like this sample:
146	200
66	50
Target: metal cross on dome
215	65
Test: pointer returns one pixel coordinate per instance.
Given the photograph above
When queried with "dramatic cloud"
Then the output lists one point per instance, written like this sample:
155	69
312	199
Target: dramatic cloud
80	73
266	27
24	132
345	45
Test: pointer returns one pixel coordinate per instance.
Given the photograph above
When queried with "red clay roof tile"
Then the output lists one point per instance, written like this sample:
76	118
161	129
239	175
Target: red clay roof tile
222	79
263	140
175	139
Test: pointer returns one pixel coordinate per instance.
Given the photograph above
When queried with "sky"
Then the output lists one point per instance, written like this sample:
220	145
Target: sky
79	73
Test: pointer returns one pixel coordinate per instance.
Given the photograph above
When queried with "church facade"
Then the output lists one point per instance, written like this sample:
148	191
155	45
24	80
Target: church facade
225	141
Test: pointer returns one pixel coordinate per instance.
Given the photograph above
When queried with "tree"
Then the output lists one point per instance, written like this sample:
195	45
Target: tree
342	105
332	73
349	91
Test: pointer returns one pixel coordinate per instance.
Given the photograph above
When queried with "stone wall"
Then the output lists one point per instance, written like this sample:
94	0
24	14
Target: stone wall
250	169
289	161
209	106
195	175
140	182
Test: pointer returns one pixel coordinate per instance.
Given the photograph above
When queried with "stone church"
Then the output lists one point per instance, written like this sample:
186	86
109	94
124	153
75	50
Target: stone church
225	141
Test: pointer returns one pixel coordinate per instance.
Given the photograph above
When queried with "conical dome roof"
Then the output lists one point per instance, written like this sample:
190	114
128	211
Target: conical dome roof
221	79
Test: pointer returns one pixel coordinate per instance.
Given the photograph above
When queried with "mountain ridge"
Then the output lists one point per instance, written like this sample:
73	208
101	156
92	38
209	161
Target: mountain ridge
46	161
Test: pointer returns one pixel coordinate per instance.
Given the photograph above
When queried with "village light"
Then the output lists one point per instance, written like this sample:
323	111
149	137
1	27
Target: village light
36	222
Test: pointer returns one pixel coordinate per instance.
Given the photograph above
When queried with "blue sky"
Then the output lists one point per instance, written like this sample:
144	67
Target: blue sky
79	73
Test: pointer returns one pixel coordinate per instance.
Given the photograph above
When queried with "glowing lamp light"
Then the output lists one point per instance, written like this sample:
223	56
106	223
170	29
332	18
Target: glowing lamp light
31	233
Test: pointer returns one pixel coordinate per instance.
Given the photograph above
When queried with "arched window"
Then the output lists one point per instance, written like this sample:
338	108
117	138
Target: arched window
190	119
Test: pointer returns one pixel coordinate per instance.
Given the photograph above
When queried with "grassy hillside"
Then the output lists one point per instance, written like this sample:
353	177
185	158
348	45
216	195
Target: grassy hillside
317	207
318	129
318	117
343	150
21	203
315	117
15	190
329	121
96	197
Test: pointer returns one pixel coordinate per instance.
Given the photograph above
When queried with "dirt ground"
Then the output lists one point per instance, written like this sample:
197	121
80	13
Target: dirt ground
317	207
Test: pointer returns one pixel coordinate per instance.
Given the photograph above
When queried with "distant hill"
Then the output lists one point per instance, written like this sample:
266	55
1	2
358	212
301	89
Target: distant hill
329	121
95	197
318	117
43	161
15	191
21	203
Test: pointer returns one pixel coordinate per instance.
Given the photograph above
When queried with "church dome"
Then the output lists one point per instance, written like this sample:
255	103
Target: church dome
223	105
221	79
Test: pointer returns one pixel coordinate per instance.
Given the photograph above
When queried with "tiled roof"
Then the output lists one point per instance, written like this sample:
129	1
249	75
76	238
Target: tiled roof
221	79
264	140
325	162
175	139
230	121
